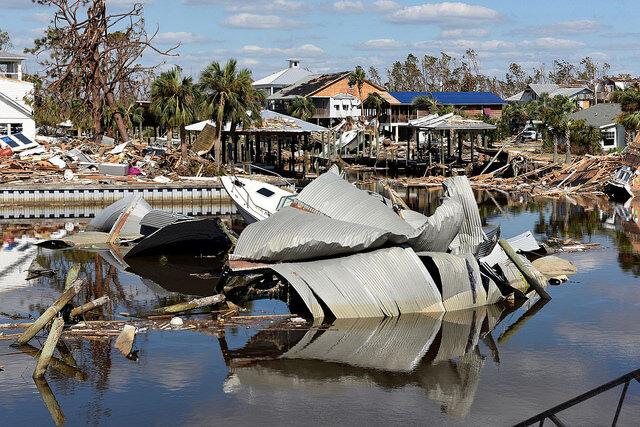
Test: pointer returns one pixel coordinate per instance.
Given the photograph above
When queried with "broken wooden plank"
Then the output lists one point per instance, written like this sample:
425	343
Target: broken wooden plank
72	276
50	312
49	347
124	342
78	311
193	304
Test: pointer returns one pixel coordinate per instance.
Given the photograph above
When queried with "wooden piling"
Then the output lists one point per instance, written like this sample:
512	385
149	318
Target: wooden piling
50	312
49	347
89	306
193	304
531	279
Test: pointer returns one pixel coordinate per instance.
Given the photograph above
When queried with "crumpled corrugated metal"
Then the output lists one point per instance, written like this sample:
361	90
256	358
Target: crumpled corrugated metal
336	198
382	283
293	235
471	234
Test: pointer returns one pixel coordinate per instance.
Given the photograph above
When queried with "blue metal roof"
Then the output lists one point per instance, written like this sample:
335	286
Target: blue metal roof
452	98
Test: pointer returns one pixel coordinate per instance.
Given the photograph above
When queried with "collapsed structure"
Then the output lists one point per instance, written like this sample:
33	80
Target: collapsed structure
348	253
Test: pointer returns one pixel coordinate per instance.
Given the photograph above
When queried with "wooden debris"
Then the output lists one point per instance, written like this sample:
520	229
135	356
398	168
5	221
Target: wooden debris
196	303
51	312
72	276
49	347
531	279
124	342
78	311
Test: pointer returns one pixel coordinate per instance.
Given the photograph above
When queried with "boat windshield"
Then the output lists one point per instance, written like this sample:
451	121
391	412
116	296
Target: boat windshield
285	201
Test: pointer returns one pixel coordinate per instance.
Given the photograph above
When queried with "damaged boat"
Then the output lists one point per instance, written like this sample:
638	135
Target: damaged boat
256	200
349	255
142	230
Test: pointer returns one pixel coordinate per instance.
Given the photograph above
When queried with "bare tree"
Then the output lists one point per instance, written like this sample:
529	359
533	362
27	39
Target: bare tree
94	56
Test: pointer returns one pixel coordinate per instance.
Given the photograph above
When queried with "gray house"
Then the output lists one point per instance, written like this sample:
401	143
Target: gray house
581	95
602	116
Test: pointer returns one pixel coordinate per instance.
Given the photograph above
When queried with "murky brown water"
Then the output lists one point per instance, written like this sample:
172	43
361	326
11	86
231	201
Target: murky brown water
491	366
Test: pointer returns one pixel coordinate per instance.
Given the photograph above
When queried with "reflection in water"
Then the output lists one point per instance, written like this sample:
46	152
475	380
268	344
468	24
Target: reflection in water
438	353
440	357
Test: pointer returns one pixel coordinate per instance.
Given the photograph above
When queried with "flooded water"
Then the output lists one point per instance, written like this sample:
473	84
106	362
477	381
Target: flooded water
492	366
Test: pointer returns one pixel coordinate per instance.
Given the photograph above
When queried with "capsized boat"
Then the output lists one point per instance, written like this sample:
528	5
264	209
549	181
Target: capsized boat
256	200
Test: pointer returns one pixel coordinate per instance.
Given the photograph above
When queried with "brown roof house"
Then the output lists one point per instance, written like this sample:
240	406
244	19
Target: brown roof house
332	96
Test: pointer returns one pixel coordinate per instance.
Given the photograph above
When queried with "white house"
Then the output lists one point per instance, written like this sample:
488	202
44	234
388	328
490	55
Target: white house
16	116
343	105
602	116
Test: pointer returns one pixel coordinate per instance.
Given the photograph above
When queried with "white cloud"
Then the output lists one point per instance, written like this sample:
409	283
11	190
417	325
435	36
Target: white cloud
385	5
288	6
305	50
248	62
444	13
552	43
182	37
582	26
382	44
464	32
263	22
349	6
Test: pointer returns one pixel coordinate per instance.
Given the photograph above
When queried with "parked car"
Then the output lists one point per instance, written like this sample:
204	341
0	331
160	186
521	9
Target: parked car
528	135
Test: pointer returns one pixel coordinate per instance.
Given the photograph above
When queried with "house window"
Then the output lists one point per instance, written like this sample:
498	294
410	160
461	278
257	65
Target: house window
337	107
345	107
16	128
609	138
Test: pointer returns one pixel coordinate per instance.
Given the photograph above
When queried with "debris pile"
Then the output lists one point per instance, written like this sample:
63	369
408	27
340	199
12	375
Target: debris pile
81	160
348	253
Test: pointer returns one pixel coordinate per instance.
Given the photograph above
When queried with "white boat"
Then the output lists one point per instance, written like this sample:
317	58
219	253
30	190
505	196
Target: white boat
256	200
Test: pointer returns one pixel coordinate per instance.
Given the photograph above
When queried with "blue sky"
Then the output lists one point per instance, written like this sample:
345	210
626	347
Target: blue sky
337	35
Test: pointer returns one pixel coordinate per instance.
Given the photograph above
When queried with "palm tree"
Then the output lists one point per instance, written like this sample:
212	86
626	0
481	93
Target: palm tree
375	101
357	78
428	102
227	92
174	101
302	108
554	113
133	116
629	100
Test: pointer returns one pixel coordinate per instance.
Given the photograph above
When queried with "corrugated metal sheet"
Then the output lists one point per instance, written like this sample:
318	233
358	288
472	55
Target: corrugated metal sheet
336	198
390	344
524	242
437	231
159	219
387	282
471	234
292	235
104	220
515	279
137	209
462	286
